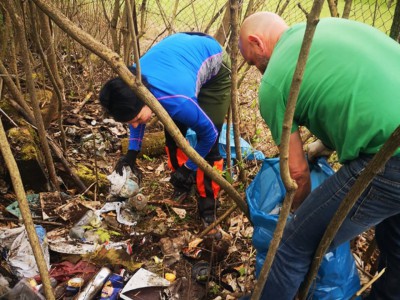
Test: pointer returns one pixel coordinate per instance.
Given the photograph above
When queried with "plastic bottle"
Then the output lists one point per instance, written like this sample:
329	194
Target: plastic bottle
77	232
94	285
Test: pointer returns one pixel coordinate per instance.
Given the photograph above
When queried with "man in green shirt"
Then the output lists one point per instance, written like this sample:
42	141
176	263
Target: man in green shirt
350	100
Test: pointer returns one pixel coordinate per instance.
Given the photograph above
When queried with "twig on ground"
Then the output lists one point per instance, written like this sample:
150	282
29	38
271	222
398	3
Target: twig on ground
170	203
218	221
82	104
34	221
376	277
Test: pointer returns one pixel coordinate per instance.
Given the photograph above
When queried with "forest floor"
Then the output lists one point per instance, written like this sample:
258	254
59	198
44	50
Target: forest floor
159	242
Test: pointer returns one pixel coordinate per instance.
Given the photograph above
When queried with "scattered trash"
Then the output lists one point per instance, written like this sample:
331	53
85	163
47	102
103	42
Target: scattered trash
171	247
64	271
59	241
139	201
53	284
19	252
48	203
72	211
201	271
144	285
113	286
89	218
94	285
34	206
74	285
192	252
26	288
4	286
124	215
98	145
124	186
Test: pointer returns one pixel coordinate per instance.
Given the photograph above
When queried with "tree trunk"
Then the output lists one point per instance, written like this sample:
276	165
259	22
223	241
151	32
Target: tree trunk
347	9
113	27
222	33
290	184
233	43
31	88
395	29
25	212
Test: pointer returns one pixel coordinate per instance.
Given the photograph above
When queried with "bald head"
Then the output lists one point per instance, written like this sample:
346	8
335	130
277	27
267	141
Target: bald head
259	34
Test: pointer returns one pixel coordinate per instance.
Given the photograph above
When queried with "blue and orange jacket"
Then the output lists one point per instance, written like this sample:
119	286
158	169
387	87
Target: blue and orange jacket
176	68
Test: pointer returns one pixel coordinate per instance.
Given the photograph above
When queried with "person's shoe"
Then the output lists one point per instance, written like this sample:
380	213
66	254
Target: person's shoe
208	217
179	195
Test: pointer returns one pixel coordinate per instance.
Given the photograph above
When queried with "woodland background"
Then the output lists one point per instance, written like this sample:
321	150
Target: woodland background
62	140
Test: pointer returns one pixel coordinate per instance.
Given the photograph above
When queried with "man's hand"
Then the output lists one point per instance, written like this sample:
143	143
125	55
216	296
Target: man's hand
317	149
129	160
183	178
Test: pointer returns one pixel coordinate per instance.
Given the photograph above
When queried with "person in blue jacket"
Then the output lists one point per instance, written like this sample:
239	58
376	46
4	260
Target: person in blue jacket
189	74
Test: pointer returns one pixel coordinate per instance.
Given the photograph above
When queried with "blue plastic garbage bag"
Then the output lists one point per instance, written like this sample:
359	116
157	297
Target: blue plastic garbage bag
247	151
337	277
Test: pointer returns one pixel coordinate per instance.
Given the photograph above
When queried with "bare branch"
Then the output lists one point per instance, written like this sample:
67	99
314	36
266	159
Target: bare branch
289	183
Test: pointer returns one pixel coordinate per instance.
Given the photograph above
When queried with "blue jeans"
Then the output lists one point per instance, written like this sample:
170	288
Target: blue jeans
378	205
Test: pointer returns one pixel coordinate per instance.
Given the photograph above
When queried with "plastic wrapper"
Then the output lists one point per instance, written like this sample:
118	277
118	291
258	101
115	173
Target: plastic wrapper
20	255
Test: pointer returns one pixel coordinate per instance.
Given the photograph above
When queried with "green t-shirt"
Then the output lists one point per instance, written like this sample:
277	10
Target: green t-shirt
350	94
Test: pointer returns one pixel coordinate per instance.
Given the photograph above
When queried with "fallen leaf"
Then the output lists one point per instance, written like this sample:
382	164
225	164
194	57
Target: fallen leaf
180	212
160	168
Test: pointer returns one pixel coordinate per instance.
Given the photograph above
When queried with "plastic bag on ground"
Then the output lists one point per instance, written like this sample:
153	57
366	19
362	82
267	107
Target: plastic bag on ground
20	255
337	277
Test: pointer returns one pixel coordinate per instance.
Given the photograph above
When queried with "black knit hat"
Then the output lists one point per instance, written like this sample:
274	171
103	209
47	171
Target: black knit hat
119	100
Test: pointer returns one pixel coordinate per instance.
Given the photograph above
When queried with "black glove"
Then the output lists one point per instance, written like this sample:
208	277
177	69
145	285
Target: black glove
183	178
129	160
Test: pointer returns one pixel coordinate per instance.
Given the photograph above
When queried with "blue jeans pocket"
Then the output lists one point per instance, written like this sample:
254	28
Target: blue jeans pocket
381	202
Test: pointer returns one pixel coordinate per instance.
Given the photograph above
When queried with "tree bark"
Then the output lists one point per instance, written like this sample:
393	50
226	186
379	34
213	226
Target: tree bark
20	105
347	9
290	184
31	88
395	29
233	43
113	27
50	64
333	8
25	212
132	32
223	31
118	65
